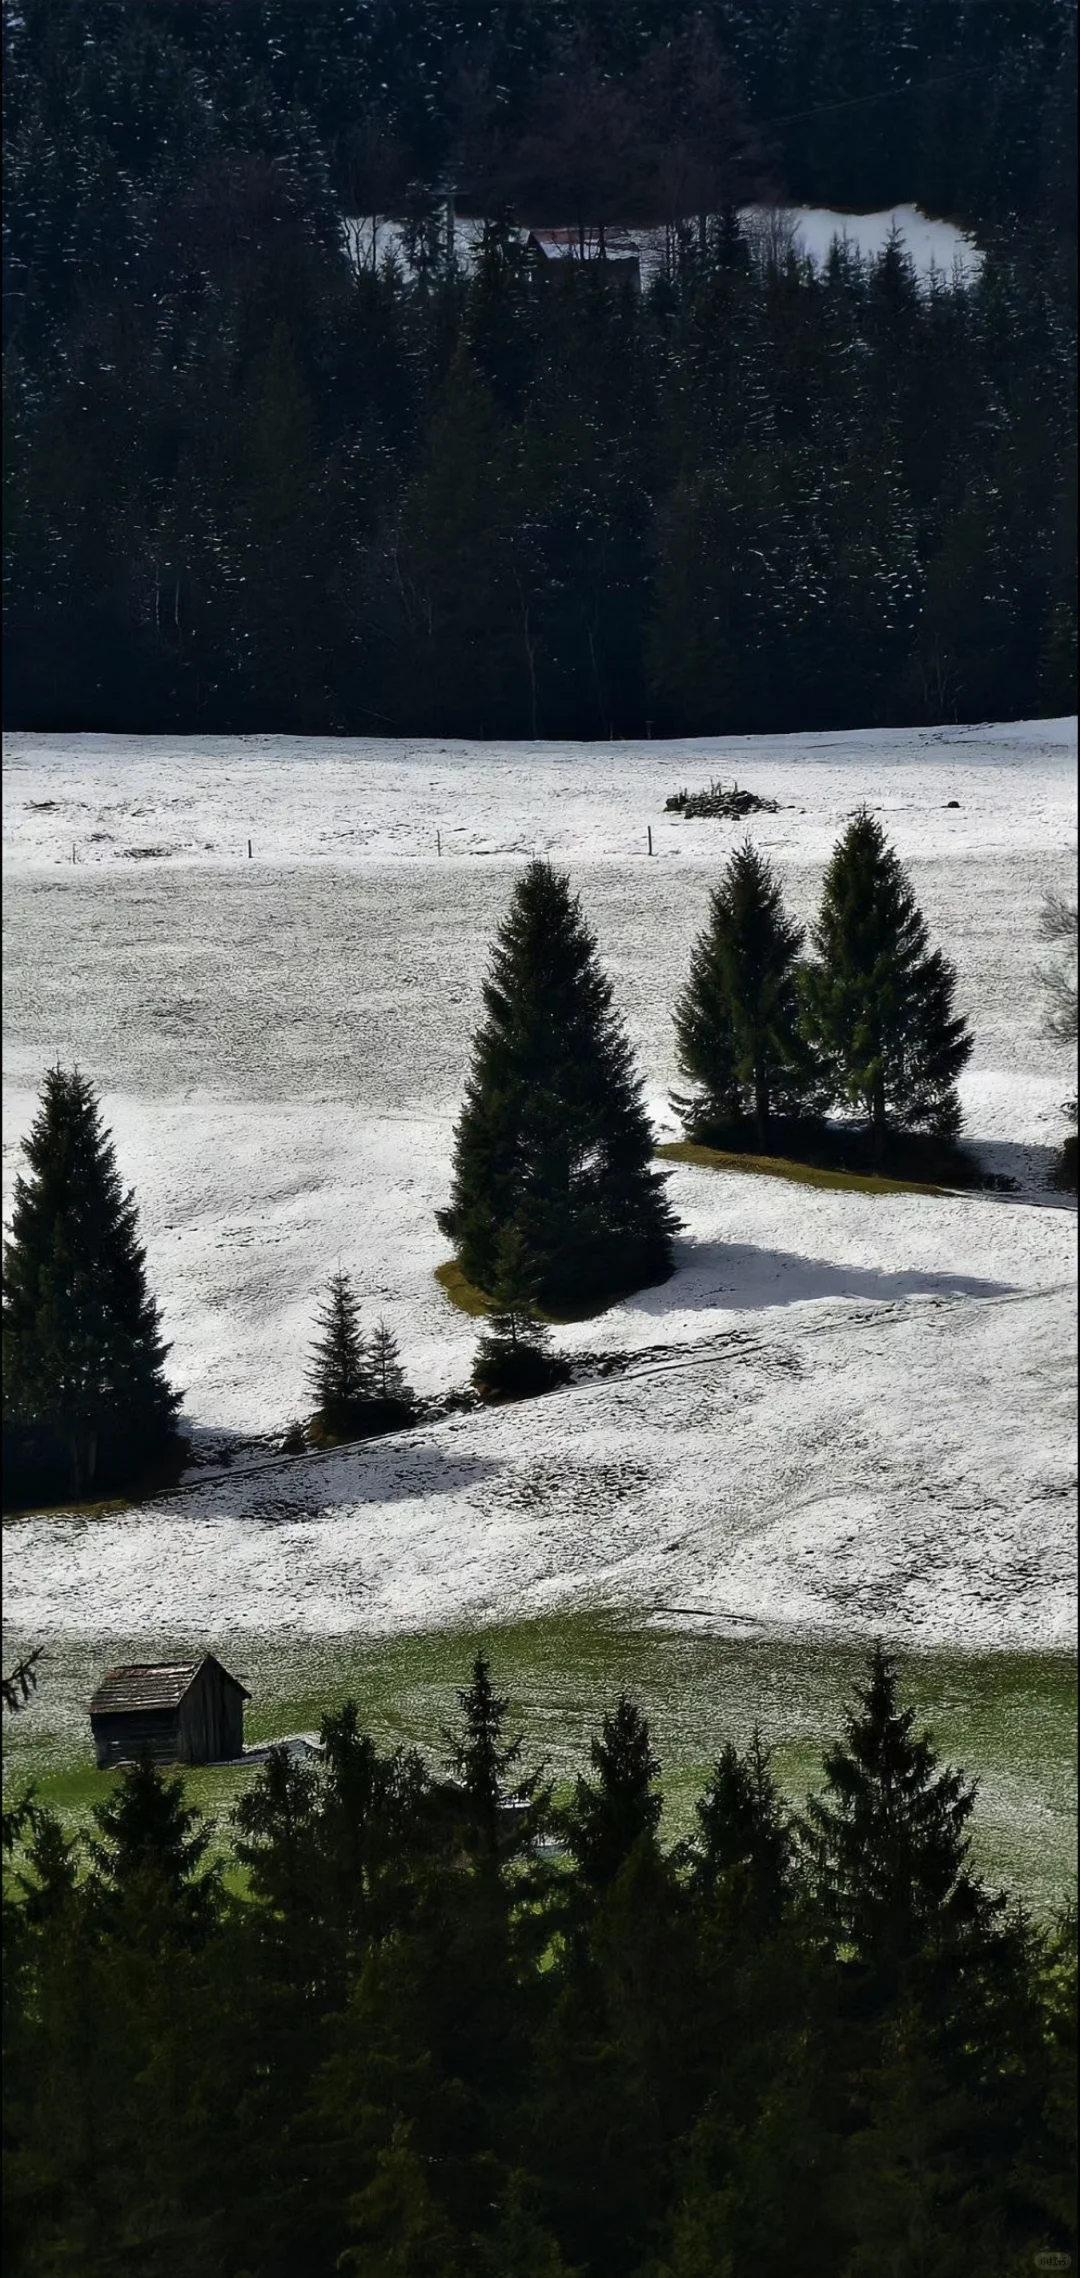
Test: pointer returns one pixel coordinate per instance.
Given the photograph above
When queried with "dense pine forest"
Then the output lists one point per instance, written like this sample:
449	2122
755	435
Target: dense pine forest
249	488
440	2024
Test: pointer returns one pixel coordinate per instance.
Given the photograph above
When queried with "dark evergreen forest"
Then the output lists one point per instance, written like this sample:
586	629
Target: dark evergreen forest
435	2023
249	489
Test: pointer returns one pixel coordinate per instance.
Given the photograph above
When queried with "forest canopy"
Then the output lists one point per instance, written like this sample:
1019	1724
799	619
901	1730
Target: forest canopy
248	487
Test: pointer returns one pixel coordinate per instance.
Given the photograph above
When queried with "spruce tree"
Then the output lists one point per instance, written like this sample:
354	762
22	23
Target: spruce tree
741	1825
888	1836
340	1375
737	1021
554	1138
512	1358
485	1764
879	1001
149	1855
86	1400
384	1363
609	1816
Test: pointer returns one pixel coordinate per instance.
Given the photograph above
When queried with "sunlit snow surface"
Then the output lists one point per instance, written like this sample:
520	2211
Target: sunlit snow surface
843	1411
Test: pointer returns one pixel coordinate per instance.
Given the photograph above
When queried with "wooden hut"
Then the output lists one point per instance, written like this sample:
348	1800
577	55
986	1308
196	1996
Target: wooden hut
179	1712
614	255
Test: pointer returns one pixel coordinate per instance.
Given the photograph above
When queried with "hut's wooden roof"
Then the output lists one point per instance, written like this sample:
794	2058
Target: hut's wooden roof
152	1685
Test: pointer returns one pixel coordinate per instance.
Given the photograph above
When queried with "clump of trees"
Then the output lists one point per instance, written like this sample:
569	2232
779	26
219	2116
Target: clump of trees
868	1024
451	2026
553	1148
358	1382
87	1406
251	485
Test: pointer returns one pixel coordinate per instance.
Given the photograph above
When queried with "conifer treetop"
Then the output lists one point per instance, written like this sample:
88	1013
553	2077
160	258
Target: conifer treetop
554	1138
83	1355
485	1762
888	1835
879	1003
384	1363
340	1370
612	1813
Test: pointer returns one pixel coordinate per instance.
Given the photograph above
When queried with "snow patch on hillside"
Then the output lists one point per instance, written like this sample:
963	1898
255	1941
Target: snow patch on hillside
842	1410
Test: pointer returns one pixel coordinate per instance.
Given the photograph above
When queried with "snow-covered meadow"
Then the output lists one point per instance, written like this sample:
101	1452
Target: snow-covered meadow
932	246
845	1412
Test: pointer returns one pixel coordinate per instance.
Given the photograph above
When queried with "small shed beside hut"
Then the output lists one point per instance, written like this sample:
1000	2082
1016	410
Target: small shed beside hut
179	1712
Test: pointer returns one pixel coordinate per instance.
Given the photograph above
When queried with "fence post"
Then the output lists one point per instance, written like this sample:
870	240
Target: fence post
438	842
650	838
249	850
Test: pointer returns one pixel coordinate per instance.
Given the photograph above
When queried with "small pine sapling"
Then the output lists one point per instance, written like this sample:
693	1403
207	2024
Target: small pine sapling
513	1357
340	1373
387	1375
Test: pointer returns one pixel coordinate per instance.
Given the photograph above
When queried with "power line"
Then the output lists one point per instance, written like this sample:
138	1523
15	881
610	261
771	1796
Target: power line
885	95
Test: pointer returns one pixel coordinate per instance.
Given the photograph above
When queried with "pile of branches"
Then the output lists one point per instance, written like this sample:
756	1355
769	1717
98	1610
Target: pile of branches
728	806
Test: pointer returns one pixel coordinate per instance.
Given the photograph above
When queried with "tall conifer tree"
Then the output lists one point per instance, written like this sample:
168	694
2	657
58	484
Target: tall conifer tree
737	1021
554	1138
86	1400
610	1815
889	1834
879	1001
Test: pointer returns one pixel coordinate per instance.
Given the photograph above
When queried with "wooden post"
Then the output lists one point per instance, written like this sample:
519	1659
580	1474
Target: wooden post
438	842
73	857
249	850
650	838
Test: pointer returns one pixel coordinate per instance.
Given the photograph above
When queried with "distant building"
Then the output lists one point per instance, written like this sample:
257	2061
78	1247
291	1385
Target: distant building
555	251
179	1712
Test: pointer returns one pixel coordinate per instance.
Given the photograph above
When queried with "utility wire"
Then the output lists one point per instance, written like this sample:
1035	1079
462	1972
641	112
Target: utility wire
886	95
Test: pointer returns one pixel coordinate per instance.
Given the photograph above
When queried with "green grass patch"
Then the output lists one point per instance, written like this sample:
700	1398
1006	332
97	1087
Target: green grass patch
461	1293
1008	1718
782	1167
477	1304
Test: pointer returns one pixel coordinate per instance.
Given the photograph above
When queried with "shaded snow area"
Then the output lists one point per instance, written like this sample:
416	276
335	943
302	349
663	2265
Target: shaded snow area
844	1411
812	231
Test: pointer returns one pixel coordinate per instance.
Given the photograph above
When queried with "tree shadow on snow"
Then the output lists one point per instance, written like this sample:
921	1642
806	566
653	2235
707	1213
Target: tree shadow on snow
1030	1170
736	1277
368	1472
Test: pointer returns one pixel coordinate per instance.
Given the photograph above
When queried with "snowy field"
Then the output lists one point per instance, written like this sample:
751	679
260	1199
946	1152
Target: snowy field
812	231
844	1414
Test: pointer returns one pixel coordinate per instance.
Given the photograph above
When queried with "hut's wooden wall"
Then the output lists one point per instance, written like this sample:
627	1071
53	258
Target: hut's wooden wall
132	1732
211	1719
